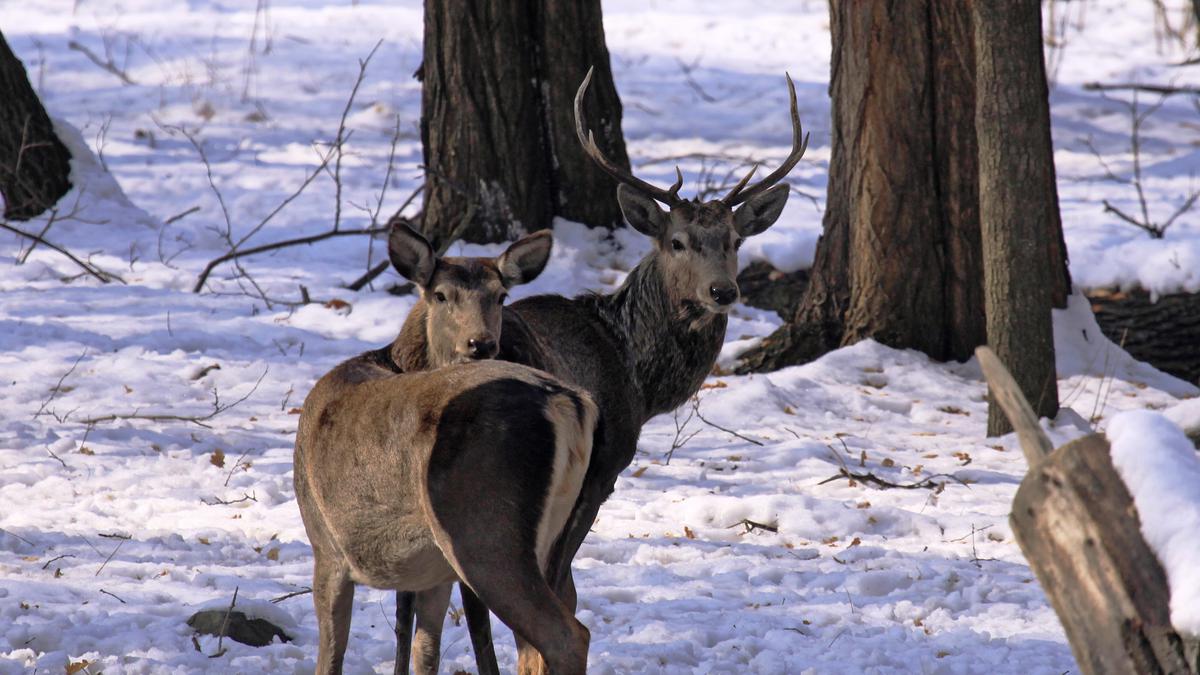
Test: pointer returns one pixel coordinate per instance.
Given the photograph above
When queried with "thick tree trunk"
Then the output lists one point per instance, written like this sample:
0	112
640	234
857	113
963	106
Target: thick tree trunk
1018	201
900	259
572	40
496	117
34	164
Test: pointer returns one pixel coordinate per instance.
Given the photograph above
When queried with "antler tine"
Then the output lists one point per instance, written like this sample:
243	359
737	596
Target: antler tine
588	140
799	145
741	184
674	189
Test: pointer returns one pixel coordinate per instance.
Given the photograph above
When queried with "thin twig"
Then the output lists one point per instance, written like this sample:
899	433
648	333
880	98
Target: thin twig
236	465
15	536
696	405
56	559
751	526
199	420
106	64
60	460
341	138
101	275
310	239
181	215
107	593
1164	89
110	555
225	625
58	385
303	591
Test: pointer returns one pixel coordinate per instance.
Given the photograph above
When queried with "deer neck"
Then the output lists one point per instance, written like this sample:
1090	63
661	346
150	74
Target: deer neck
410	350
673	348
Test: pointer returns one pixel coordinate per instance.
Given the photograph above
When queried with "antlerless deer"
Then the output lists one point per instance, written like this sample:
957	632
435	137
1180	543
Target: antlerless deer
646	348
412	480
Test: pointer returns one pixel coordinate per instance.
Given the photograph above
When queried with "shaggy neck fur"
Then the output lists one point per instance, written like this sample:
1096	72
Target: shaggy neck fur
673	343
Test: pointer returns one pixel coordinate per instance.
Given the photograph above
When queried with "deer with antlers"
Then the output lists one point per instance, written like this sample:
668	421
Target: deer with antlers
646	348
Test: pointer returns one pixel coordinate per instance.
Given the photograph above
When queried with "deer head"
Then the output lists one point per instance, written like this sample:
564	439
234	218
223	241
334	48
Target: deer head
696	242
461	298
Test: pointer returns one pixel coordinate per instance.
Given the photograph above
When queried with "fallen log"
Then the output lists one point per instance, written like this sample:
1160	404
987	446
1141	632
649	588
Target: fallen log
1164	332
1076	523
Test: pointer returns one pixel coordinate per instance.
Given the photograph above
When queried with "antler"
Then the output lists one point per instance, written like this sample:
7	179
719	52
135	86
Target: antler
740	192
587	139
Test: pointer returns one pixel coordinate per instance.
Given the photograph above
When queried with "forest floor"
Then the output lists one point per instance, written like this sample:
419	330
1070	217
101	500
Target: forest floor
719	552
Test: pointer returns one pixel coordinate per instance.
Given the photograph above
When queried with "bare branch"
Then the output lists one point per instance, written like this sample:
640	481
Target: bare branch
696	406
1164	89
105	63
58	385
103	276
199	420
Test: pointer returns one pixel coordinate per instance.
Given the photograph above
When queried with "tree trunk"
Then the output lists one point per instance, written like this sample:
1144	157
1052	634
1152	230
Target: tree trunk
900	259
34	164
496	117
1018	201
572	40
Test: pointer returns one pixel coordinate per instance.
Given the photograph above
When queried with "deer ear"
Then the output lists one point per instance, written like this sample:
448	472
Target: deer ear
642	212
411	254
525	259
761	211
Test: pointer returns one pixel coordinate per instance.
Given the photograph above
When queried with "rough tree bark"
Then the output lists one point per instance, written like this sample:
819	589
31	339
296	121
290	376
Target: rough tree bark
496	118
1018	200
900	259
34	164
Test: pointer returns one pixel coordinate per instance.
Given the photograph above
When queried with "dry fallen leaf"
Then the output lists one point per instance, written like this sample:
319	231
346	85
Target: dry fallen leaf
639	472
77	666
85	450
273	554
218	458
294	411
687	532
718	384
888	461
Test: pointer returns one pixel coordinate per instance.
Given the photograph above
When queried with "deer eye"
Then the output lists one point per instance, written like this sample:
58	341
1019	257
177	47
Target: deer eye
439	296
677	245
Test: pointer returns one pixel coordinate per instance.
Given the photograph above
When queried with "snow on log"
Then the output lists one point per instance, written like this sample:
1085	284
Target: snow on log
1162	470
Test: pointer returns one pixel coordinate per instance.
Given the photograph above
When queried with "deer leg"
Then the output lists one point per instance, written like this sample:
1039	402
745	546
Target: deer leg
431	608
479	624
333	599
404	630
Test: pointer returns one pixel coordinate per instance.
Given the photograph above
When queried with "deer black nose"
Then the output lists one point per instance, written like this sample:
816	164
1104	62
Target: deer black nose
724	295
481	349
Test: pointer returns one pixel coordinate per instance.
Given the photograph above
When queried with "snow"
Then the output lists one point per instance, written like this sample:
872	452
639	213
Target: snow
1162	470
855	579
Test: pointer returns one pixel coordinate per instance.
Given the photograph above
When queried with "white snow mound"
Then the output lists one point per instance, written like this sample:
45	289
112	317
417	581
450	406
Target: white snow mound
1162	470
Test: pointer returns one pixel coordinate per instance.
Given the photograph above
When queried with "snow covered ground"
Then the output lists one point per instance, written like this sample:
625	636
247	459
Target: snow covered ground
113	533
